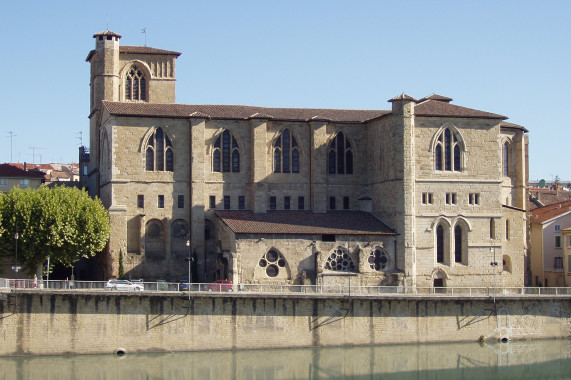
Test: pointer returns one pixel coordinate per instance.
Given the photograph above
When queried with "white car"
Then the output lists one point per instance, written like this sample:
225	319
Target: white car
122	285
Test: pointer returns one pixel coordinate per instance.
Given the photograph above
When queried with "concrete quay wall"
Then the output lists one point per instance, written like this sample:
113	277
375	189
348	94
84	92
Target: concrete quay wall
38	322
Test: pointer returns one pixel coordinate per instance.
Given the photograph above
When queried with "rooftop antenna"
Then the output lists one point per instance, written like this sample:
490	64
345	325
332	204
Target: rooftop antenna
144	31
80	138
12	135
33	148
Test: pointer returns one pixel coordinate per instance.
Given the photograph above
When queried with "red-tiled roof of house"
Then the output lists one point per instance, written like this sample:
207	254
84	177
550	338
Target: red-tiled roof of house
7	170
544	197
304	223
436	97
505	124
545	213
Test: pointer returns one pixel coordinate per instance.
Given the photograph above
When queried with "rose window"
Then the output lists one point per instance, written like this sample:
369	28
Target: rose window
272	261
378	259
340	260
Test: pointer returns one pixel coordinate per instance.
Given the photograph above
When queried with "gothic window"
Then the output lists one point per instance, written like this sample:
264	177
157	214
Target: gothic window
378	259
286	153
506	159
272	262
340	155
135	85
154	240
226	154
439	244
458	244
447	151
159	155
340	260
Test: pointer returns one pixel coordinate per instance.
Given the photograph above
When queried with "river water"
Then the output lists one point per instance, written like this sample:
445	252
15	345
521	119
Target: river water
549	359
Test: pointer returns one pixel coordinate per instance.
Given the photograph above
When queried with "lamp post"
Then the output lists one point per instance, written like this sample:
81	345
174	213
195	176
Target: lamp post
189	259
494	264
16	268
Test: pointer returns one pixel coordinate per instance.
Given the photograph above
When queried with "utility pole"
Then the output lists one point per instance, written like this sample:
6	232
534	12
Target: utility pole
12	135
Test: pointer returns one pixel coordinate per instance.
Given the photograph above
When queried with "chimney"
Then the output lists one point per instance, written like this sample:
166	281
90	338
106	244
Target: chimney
25	166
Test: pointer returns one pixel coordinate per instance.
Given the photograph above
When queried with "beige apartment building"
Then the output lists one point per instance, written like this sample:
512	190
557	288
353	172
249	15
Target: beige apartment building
423	193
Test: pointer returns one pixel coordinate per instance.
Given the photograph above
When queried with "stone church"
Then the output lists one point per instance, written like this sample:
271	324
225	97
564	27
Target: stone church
425	193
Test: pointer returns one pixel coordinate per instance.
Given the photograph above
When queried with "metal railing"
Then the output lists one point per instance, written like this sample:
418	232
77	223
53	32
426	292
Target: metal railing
333	290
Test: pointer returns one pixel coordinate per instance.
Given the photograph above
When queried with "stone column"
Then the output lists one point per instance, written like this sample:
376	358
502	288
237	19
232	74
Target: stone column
197	167
258	165
318	167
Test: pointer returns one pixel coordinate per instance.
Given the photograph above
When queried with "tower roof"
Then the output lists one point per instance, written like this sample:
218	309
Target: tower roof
107	33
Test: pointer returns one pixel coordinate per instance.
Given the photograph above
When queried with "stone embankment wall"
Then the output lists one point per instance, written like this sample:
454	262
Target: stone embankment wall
43	323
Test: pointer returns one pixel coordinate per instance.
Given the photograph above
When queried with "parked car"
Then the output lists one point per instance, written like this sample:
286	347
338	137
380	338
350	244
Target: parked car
184	287
220	286
114	284
162	285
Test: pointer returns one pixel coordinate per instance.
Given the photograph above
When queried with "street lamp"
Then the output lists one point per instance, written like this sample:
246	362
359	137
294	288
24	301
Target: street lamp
189	259
16	268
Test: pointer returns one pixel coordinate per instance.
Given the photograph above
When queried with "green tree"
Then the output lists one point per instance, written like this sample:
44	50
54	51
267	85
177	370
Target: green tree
61	222
121	269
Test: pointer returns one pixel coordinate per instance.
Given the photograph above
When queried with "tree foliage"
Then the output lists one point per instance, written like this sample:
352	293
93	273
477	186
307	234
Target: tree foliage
61	222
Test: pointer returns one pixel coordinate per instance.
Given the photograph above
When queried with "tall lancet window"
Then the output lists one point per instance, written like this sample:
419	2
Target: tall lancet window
286	153
135	85
226	154
448	151
159	155
340	155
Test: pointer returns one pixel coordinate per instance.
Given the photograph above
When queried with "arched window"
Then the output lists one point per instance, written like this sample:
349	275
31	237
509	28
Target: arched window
340	155
447	151
159	155
507	229
226	154
506	159
458	244
286	153
492	228
273	262
340	260
135	85
154	240
179	237
439	244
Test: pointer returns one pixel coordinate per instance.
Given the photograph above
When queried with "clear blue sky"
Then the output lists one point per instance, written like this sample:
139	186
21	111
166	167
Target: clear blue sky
506	57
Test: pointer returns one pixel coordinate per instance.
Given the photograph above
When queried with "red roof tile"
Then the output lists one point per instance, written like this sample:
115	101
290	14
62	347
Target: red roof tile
7	170
545	213
439	108
145	50
304	223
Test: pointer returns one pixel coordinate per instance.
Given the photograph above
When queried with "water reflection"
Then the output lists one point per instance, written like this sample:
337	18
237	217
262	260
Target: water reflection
521	360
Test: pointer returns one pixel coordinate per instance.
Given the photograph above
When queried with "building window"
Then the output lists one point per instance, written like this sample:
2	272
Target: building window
24	182
506	159
241	202
272	262
212	201
340	155
345	203
474	198
439	244
492	228
286	203
161	201
3	182
140	201
507	229
378	259
159	153
458	244
226	202
273	203
226	154
557	228
340	260
135	85
450	198
426	198
332	203
286	153
447	151
569	243
558	262
180	201
557	241
300	203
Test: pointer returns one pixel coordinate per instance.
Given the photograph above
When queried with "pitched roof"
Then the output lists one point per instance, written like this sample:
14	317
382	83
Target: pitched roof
436	97
239	112
7	170
304	223
545	213
431	107
505	124
545	197
145	50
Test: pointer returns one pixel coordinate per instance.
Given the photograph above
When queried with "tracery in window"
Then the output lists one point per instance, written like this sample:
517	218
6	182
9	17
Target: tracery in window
135	85
159	155
272	262
447	151
340	155
378	259
226	154
340	260
286	153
